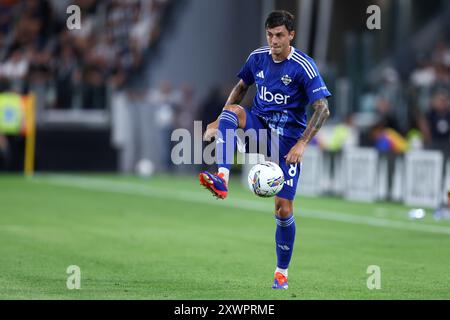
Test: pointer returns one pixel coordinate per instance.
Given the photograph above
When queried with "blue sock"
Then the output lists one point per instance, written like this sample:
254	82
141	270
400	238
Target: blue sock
228	123
284	238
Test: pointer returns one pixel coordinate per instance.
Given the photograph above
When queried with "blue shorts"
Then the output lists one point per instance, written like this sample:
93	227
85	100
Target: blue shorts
275	151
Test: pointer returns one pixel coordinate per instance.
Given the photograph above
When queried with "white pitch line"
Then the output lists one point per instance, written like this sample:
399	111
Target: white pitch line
128	188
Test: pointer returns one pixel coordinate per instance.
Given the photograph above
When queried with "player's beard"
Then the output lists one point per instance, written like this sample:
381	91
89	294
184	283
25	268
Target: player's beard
277	52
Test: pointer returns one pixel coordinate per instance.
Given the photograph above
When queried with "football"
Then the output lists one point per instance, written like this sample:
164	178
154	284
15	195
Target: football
265	179
145	168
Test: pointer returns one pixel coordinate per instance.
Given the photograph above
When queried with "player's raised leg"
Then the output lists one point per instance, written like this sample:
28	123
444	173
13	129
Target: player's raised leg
284	238
231	118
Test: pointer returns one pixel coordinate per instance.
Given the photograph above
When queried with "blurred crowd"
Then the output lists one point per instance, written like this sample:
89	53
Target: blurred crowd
101	66
75	68
412	113
398	112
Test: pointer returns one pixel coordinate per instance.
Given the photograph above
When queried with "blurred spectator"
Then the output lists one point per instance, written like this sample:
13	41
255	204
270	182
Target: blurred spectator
422	79
66	77
385	117
6	18
424	75
4	154
163	100
15	68
93	88
418	134
439	121
185	108
391	89
343	136
39	78
386	133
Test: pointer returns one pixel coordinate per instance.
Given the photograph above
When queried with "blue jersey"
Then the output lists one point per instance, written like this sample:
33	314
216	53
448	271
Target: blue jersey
284	89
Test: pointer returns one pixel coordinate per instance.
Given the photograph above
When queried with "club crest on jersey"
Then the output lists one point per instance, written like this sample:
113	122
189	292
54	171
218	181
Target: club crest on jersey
286	79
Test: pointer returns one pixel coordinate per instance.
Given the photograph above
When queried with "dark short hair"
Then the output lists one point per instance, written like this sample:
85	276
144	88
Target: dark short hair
280	18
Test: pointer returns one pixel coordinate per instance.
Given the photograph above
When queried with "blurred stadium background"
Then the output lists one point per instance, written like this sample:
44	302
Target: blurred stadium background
108	96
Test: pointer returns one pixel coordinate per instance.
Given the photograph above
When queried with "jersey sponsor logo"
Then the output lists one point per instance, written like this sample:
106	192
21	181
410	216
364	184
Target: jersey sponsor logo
268	96
260	74
286	79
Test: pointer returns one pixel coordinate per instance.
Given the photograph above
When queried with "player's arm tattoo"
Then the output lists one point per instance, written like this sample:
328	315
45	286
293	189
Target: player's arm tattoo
321	113
238	93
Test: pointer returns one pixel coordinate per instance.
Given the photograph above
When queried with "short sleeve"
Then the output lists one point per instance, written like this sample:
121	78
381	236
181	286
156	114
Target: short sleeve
315	87
246	73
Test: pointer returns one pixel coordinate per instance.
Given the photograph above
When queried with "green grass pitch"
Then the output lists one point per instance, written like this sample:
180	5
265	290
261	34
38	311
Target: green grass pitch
167	238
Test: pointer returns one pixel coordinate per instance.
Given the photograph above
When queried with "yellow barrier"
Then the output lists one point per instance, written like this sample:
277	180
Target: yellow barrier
30	133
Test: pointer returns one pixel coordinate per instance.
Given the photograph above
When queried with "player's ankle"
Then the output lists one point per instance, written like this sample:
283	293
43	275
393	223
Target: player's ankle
284	272
224	173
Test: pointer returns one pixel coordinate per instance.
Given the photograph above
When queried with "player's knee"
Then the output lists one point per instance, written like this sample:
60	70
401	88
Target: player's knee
284	212
284	209
239	111
233	108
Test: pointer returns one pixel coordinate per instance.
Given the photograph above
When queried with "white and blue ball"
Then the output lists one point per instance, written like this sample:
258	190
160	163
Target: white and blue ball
265	179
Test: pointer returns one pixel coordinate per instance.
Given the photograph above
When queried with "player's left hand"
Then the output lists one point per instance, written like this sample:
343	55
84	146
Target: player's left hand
295	155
